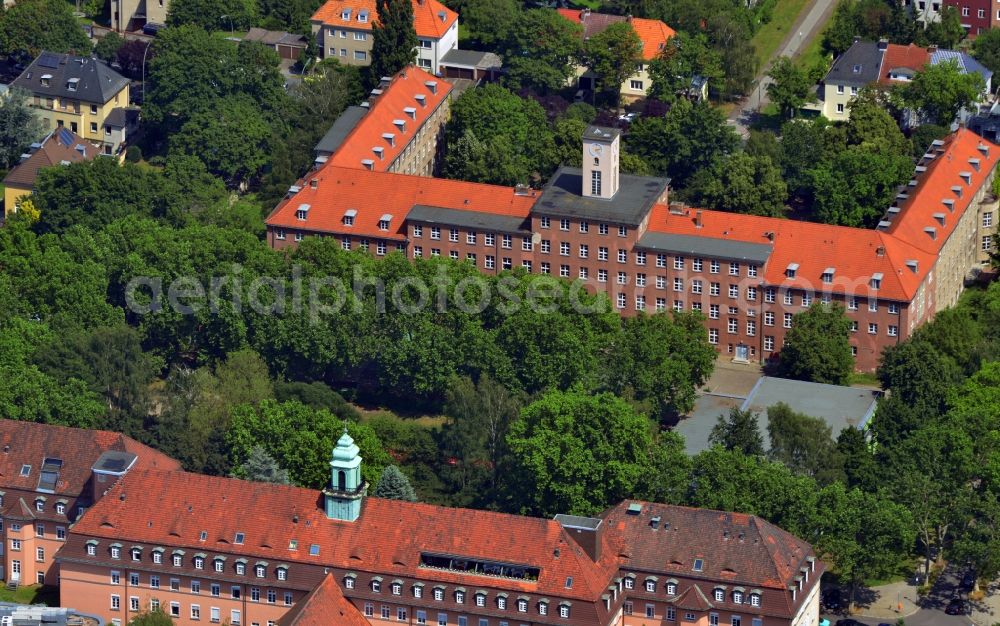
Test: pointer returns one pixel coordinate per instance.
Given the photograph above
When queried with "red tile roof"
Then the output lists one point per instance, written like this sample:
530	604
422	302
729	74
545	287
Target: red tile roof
60	146
653	33
427	16
409	99
374	194
28	443
325	605
173	508
910	57
960	166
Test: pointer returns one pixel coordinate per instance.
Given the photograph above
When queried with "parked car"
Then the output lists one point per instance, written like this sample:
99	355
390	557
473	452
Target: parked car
969	580
957	606
628	118
832	600
849	622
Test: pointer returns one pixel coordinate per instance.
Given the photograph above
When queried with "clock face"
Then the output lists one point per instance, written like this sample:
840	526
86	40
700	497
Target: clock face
596	149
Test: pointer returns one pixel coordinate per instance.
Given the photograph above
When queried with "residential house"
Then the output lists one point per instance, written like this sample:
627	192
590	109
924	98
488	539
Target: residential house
653	33
49	476
885	64
79	93
343	30
60	147
132	15
396	130
179	542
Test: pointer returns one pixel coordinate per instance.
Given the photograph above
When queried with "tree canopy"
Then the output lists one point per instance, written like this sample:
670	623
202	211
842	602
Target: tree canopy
817	348
539	49
35	25
394	39
940	91
19	127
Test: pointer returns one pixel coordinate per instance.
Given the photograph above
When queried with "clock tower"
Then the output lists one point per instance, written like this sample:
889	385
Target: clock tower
600	162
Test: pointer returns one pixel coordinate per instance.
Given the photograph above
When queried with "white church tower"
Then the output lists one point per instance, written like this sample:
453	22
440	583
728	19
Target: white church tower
601	147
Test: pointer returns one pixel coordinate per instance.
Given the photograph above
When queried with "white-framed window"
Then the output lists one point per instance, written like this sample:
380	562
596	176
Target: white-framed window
678	284
873	305
602	253
713	336
787	323
133	603
623	231
769	343
621	301
737	597
602	229
987	219
175	609
807	298
215	615
195	611
987	243
584	251
622	256
732	326
751	328
640	258
695	286
734	291
872	328
840	108
640	303
894	308
671	589
116	602
714	289
678	262
564	224
635	85
713	311
754	599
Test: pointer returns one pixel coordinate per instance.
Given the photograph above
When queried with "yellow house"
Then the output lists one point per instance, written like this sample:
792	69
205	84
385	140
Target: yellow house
60	147
78	93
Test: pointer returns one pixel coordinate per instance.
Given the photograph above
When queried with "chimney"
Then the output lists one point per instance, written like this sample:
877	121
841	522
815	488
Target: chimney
697	218
883	44
931	49
587	532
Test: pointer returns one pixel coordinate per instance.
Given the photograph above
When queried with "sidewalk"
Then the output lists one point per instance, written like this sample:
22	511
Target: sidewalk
891	602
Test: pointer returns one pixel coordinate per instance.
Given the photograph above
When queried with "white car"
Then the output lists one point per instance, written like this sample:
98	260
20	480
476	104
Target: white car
628	118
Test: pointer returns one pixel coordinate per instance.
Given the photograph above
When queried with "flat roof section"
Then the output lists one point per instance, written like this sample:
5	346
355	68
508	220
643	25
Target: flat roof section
636	195
707	247
467	219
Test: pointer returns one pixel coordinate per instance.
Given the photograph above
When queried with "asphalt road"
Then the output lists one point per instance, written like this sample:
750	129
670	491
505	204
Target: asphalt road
806	28
932	609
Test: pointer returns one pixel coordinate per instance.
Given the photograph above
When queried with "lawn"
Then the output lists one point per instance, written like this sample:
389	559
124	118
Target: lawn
31	594
812	54
769	37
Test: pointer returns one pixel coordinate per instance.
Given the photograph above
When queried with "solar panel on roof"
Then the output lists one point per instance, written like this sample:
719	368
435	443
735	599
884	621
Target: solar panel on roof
65	137
48	60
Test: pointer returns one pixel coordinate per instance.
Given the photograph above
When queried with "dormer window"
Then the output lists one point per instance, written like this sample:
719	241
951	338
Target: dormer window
522	605
502	603
377	584
439	593
459	597
791	270
418	590
856	69
282	573
260	571
46	79
650	586
397	589
241	569
543	608
754	599
72	84
876	281
176	560
481	597
384	221
199	562
719	595
300	214
39	504
828	275
60	508
157	557
346	15
737	597
564	610
91	547
349	217
136	554
671	589
362	16
116	552
629	582
349	581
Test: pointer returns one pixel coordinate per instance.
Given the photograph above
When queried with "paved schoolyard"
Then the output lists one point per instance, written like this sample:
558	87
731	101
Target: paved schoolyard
732	379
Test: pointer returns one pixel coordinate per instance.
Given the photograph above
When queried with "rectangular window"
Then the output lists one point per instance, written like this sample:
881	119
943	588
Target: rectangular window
215	614
661	282
894	308
768	318
526	244
713	311
696	264
678	262
873	305
602	253
622	256
751	328
732	326
116	602
893	331
640	258
133	603
734	291
769	343
506	242
713	336
872	328
788	320
988	219
695	286
175	609
584	251
453	235
195	612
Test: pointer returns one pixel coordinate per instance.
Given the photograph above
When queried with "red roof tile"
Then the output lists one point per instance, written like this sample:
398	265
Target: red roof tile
60	146
173	508
409	99
28	443
653	33
896	57
372	195
958	169
325	605
427	20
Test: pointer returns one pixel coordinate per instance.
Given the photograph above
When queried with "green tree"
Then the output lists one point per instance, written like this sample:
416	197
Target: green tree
684	57
213	15
807	145
690	137
817	348
539	50
860	468
490	21
232	139
742	183
151	618
19	127
394	39
946	31
262	468
394	485
923	135
300	439
986	49
803	443
856	186
670	466
790	86
764	143
493	127
107	48
872	128
870	20
611	56
739	431
662	359
730	38
575	453
35	25
940	91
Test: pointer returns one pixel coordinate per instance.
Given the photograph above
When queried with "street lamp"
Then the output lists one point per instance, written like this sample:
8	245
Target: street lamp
145	50
231	29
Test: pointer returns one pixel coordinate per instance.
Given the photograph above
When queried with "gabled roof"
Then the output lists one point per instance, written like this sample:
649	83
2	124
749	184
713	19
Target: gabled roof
171	509
29	444
653	33
68	76
431	19
404	105
956	168
858	66
59	147
325	605
371	195
274	37
966	63
692	599
902	60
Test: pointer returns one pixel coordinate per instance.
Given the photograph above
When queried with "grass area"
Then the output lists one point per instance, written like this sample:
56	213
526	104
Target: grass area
770	118
769	37
865	378
426	421
31	594
812	54
593	5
